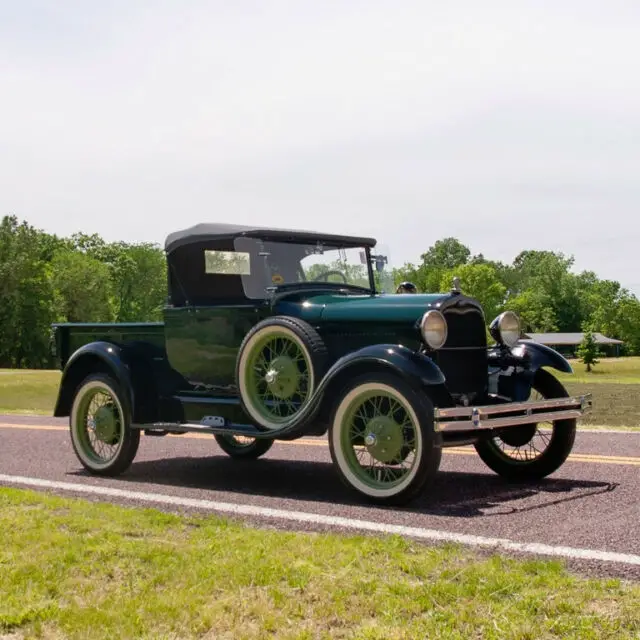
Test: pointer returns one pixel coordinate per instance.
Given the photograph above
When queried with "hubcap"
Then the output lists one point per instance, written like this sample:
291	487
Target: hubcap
379	438
385	438
105	425
282	378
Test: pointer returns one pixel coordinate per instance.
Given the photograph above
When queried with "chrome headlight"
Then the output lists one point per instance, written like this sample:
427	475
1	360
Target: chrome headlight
506	329
433	328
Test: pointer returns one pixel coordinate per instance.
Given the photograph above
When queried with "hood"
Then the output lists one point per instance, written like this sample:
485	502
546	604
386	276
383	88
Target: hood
403	308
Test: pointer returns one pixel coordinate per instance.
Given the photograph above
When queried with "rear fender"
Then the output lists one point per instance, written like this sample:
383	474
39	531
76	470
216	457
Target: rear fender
95	357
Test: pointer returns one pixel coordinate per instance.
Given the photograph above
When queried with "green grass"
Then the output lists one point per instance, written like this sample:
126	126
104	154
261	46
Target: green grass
76	569
614	383
607	371
27	391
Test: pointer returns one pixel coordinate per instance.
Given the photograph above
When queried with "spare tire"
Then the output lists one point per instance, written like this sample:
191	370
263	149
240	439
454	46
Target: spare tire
280	363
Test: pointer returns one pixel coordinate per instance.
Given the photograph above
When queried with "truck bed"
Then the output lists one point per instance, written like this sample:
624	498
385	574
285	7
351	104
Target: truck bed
69	336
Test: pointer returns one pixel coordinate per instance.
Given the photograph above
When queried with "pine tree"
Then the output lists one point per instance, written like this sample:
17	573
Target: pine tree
588	350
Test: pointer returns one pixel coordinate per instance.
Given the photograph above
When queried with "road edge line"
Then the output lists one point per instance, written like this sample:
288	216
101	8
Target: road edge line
504	544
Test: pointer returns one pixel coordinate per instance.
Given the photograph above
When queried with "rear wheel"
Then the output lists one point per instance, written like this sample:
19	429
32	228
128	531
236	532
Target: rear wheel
529	452
382	440
99	423
243	447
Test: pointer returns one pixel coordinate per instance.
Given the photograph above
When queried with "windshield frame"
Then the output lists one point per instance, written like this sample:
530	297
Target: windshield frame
261	282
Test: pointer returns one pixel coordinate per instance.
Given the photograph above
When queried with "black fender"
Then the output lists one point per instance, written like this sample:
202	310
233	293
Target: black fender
539	355
534	356
416	368
95	357
511	370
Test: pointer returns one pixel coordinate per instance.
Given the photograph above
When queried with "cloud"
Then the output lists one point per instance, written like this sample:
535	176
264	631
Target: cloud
509	125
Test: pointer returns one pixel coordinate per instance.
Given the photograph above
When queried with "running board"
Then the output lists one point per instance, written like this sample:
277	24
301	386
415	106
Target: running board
211	425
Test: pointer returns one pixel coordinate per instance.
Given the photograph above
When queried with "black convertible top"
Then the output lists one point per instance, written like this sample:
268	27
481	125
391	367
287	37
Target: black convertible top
215	231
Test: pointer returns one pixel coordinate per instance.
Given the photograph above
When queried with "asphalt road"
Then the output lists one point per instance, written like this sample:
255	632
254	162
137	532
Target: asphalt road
590	504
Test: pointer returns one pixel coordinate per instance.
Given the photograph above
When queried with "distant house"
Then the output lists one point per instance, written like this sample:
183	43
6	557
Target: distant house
568	342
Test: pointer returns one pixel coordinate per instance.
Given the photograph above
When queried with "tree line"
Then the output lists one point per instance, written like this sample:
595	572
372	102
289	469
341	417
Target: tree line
538	285
46	279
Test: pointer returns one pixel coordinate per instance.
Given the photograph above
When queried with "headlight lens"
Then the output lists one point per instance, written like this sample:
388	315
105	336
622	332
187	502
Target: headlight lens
433	328
506	329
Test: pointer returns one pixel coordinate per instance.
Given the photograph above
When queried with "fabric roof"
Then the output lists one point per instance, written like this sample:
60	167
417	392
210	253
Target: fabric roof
214	231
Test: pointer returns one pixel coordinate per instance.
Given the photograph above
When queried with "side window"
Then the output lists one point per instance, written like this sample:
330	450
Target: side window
230	263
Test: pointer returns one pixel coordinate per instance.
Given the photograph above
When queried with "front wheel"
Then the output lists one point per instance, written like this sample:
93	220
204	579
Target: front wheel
100	425
243	447
527	452
382	439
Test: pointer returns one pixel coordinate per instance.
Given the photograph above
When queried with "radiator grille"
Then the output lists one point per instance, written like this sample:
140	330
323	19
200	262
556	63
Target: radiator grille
463	359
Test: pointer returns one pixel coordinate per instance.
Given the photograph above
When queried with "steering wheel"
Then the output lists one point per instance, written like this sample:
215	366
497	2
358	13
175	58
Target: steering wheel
324	276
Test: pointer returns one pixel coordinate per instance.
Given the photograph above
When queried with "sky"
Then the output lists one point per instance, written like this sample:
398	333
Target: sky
509	125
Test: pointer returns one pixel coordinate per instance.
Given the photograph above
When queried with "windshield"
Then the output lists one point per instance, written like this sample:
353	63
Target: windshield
279	263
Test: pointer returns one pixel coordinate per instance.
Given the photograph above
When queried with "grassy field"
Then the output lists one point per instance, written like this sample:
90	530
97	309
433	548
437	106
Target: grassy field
609	371
26	391
76	569
615	384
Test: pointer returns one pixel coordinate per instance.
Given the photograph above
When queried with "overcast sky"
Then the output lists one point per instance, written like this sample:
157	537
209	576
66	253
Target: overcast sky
510	125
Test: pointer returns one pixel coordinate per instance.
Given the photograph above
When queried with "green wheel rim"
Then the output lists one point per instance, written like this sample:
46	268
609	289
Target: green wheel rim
278	376
99	426
378	438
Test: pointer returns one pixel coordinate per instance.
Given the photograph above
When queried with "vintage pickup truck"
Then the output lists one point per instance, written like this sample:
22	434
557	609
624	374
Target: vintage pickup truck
259	344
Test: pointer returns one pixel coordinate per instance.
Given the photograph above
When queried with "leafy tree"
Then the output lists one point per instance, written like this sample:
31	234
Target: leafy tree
441	257
535	309
26	296
45	278
480	281
81	287
137	273
140	283
628	325
446	254
588	350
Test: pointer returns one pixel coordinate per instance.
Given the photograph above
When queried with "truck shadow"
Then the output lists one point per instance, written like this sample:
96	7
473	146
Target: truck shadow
453	494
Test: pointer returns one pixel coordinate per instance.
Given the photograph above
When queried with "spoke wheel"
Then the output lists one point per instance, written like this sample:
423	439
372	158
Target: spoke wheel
278	365
382	440
532	451
99	425
243	447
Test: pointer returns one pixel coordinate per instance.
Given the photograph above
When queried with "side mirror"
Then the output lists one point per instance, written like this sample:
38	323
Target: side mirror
380	262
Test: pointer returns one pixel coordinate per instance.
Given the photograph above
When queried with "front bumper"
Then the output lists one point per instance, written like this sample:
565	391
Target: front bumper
511	414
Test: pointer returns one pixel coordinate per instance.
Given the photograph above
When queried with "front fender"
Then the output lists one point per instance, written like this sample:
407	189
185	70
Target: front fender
417	369
529	356
413	366
512	371
94	357
537	355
